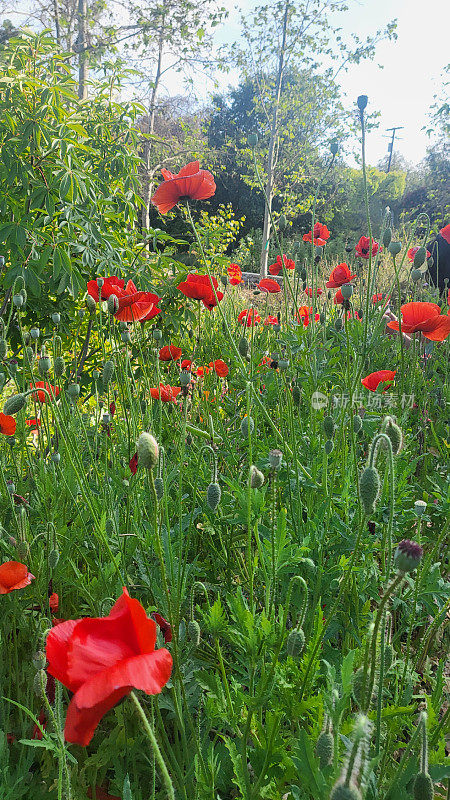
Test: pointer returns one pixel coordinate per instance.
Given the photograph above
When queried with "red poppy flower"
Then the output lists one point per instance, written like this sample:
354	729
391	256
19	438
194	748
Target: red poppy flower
170	353
37	733
212	302
166	629
220	368
248	317
102	659
339	275
42	397
133	464
377	298
270	286
303	315
200	287
234	274
53	601
412	252
271	320
151	314
309	291
191	182
134	305
34	424
110	286
338	298
445	233
7	425
321	235
14	575
424	317
276	268
383	376
362	248
201	371
166	393
186	364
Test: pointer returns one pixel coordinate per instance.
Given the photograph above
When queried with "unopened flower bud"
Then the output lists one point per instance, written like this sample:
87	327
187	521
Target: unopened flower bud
148	451
334	147
283	364
295	642
416	275
213	495
325	749
420	257
252	139
393	432
329	426
18	300
338	324
53	559
328	447
39	660
159	488
256	477
56	318
387	236
90	303
243	346
157	335
296	395
34	333
107	373
407	556
185	378
59	366
126	336
369	488
342	792
194	633
282	222
14	404
56	458
44	364
3	348
113	304
423	787
247	425
40	683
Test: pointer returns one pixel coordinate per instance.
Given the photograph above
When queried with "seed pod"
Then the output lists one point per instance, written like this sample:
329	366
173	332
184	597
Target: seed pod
213	495
18	300
420	257
423	787
295	642
14	404
53	559
328	447
276	328
126	336
44	364
252	139
407	556
148	451
157	335
107	373
420	507
247	424
59	366
334	147
283	364
159	488
394	433
256	477
56	318
357	423
325	749
243	346
185	378
193	631
394	248
329	426
3	348
342	792
369	487
416	275
73	391
275	459
34	333
113	304
347	291
362	103
387	236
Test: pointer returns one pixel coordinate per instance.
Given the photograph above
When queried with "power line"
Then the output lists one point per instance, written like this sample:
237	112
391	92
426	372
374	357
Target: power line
391	143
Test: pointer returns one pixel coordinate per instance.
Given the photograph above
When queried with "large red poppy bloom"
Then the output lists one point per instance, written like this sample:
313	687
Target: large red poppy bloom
186	364
270	320
191	182
248	317
170	352
338	298
303	315
110	286
412	252
40	396
321	235
154	311
276	268
269	285
200	287
220	368
14	575
383	376
102	659
309	291
7	425
339	275
134	305
363	247
423	317
166	393
234	274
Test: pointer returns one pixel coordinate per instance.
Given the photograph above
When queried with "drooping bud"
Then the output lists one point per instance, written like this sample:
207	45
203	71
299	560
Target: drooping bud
256	477
328	426
420	257
18	300
194	633
369	488
357	423
53	559
282	223
393	432
416	275
295	642
14	404
213	495
90	303
148	451
407	556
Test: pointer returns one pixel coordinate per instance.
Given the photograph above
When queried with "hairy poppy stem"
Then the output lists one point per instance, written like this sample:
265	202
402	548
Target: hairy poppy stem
157	752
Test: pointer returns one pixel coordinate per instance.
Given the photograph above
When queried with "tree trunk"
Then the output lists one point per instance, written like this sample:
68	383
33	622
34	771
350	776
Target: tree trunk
83	63
148	181
272	144
57	22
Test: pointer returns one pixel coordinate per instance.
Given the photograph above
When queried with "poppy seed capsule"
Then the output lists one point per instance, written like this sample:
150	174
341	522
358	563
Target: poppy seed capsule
73	391
325	749
256	477
394	248
275	458
362	101
369	488
247	425
328	447
194	633
243	346
338	324
44	364
393	432
423	787
14	404
113	304
157	335
34	333
252	139
416	275
53	559
185	378
107	373
420	507
407	556
3	348
213	495
56	318
18	300
148	451
420	257
328	426
334	147
295	642
342	792
159	488
347	291
125	336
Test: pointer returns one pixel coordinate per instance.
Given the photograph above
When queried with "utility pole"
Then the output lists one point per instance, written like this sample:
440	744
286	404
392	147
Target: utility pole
83	62
391	143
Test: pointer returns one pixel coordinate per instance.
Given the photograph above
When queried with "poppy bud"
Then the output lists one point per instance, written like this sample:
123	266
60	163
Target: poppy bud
392	430
44	364
213	495
394	248
34	333
420	257
342	792
296	395
39	660
53	559
3	348
247	424
334	147
159	488
11	487
18	300
328	447
73	391
157	335
328	426
113	304
362	102
193	631
347	291
59	366
388	656
407	556
416	275
282	223
148	451
100	282
357	423
126	336
109	526
303	275
387	236
338	324
252	139
90	303
40	683
283	364
243	346
275	459
369	488
318	251
423	787
325	749
295	642
14	404
56	318
358	680
420	507
185	378
107	373
256	477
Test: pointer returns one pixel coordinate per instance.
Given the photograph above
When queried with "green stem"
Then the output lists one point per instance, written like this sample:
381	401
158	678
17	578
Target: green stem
157	752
